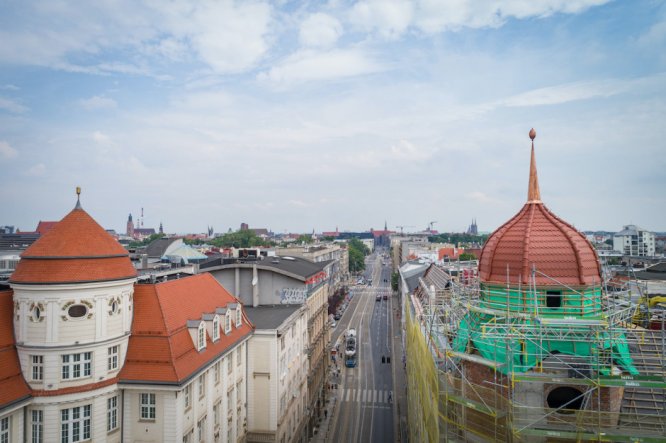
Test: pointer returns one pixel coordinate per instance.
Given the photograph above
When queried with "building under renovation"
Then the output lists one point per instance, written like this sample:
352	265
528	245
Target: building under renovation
538	347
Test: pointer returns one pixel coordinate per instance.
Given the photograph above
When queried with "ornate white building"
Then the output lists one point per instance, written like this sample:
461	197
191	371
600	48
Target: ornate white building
88	354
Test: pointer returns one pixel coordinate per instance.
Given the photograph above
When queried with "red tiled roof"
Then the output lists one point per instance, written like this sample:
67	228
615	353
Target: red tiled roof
451	253
160	346
76	249
45	226
12	385
537	237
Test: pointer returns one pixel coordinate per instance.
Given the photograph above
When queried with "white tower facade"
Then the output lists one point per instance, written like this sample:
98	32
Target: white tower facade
73	292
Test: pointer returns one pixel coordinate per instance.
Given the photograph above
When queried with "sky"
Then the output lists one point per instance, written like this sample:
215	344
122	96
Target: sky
296	116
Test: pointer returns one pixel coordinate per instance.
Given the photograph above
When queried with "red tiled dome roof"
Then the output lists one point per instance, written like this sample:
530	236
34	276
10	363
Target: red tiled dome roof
535	237
76	249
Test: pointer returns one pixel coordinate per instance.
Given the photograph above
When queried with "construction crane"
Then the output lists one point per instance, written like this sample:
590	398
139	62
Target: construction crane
403	226
430	225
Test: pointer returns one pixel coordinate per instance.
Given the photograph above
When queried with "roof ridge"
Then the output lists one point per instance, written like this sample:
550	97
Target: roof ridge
159	304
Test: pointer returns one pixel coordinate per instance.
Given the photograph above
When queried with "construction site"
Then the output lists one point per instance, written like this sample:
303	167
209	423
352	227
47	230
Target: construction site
534	342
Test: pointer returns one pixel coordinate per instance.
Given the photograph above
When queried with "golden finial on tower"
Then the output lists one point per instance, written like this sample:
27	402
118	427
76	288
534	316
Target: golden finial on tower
532	134
533	194
78	198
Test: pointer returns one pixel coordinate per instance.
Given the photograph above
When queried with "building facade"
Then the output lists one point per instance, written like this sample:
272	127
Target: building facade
634	241
90	355
264	281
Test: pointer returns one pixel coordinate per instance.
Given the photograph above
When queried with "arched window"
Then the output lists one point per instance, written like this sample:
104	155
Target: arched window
216	328
227	323
239	317
202	336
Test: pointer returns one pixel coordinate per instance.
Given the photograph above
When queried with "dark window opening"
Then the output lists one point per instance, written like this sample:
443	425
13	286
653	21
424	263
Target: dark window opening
566	397
77	311
554	299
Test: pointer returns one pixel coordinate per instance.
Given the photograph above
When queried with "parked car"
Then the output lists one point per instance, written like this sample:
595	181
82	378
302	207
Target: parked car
385	297
337	317
378	298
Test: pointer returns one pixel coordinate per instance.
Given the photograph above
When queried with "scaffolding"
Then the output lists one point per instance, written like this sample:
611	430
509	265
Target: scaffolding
486	363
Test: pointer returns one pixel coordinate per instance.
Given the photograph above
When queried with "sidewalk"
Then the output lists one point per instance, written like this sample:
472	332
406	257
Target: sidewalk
325	427
399	377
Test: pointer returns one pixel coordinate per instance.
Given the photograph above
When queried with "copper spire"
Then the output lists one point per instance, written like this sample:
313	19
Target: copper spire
533	194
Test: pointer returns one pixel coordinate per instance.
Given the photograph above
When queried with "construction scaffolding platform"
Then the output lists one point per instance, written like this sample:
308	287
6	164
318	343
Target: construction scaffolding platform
490	365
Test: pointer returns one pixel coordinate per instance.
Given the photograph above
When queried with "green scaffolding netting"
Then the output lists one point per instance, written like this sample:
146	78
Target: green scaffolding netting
518	344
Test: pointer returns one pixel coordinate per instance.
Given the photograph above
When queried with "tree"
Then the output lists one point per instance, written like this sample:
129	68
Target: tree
240	239
466	256
394	281
145	241
356	260
304	238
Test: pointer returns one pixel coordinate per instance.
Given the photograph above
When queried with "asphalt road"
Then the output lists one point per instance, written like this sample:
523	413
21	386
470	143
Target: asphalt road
365	408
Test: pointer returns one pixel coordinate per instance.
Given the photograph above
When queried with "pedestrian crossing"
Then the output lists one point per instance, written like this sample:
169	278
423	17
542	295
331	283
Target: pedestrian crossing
367	395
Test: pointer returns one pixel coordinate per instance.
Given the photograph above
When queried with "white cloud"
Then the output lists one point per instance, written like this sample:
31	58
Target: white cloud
7	151
10	87
228	37
37	170
12	106
406	150
224	35
389	18
435	16
101	138
98	102
320	30
310	65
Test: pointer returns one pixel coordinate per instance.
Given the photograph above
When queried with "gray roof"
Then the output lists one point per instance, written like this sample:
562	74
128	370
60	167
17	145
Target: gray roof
270	316
17	242
157	248
291	265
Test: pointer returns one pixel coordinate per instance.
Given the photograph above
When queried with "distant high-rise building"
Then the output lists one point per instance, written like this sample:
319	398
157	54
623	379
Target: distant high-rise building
244	227
161	228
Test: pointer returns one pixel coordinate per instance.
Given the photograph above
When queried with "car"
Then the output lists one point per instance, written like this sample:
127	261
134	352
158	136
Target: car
333	324
336	317
378	298
385	297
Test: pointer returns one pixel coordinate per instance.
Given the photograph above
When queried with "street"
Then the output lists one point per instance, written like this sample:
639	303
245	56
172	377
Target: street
365	409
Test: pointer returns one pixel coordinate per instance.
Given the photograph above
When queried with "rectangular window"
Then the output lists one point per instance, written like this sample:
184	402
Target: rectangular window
37	417
4	430
230	405
239	317
216	413
238	357
112	358
76	365
216	371
147	406
75	424
37	367
216	328
188	437
188	396
112	413
230	364
201	429
202	385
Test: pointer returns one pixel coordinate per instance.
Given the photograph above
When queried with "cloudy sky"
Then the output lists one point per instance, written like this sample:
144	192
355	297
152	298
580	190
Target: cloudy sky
310	115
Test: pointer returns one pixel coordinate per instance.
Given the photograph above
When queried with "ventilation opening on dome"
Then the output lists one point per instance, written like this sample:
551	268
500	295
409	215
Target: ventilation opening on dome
568	398
554	299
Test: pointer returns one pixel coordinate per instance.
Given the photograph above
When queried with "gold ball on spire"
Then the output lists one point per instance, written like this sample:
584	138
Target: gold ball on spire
78	190
532	134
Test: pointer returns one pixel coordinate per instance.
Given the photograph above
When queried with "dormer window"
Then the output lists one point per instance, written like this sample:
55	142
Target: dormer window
202	337
227	323
239	317
216	328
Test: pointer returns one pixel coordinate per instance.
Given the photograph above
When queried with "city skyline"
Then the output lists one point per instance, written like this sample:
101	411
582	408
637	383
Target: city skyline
299	117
